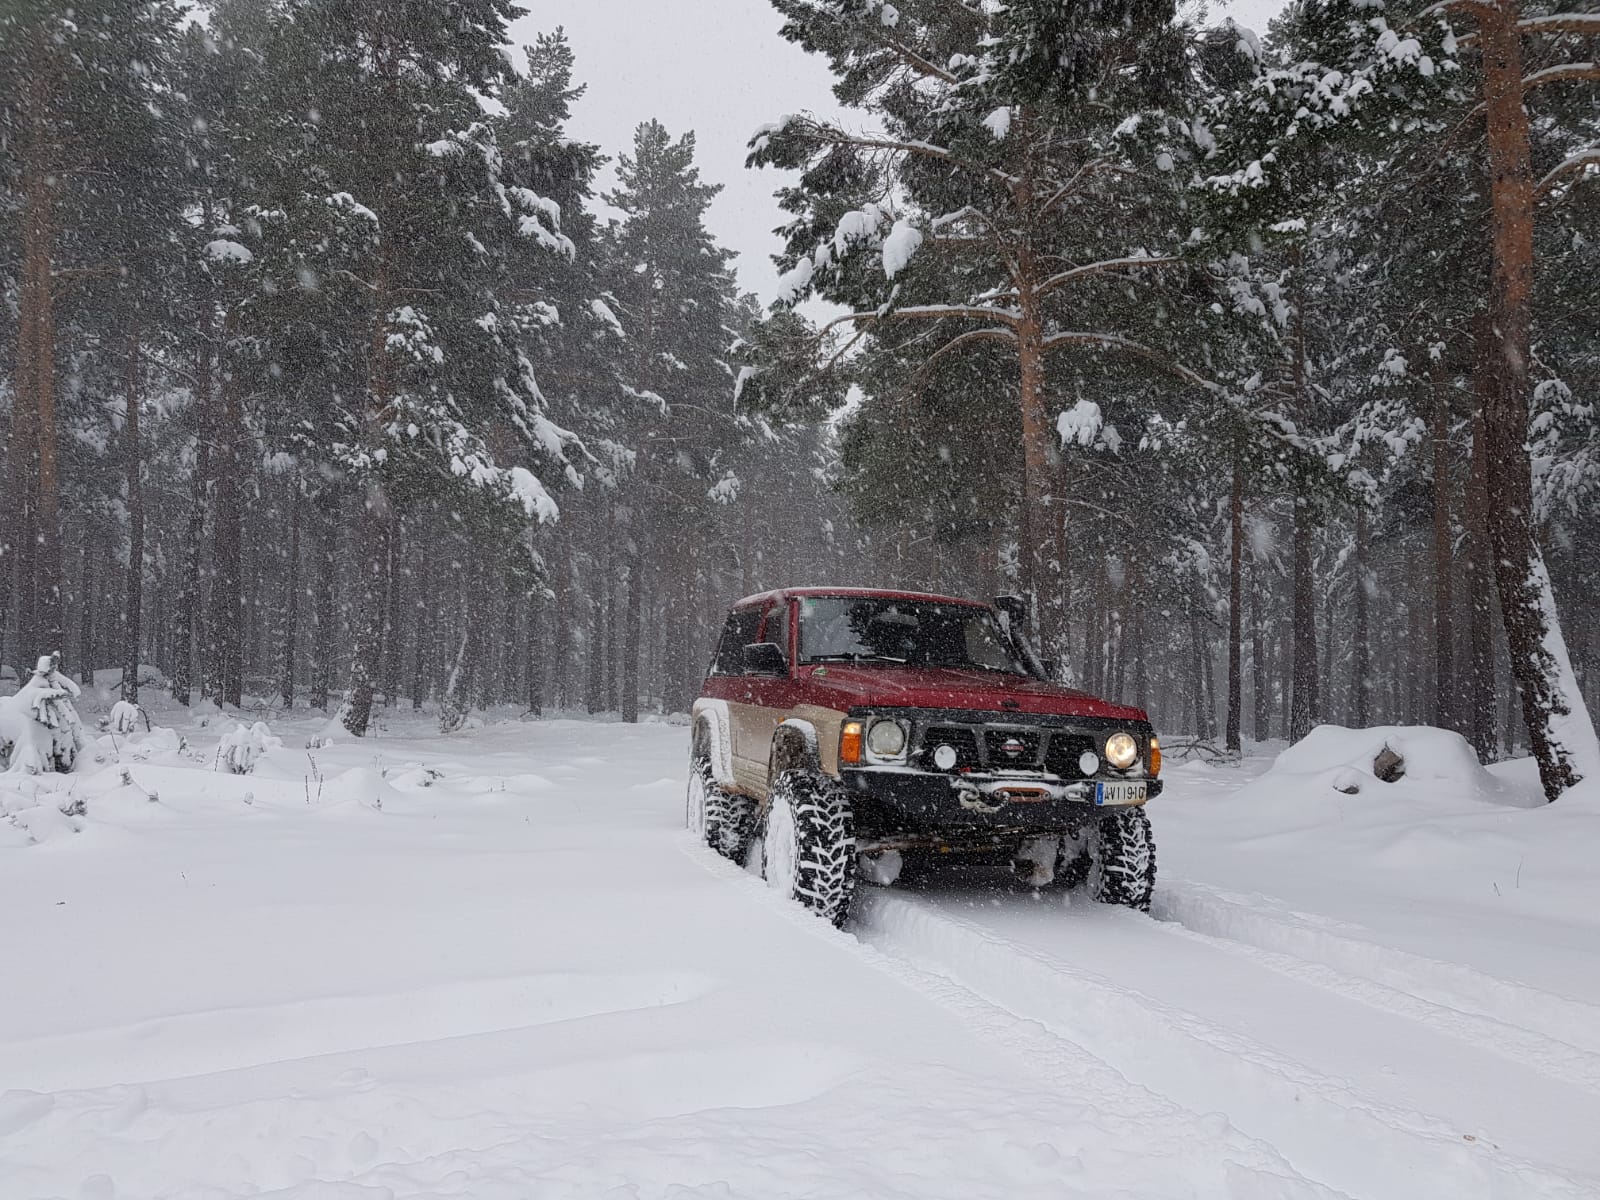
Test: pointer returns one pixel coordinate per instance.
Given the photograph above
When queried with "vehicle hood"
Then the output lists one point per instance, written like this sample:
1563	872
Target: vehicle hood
844	685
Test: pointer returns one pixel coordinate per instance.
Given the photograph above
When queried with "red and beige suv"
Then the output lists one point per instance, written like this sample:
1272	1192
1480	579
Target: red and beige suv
843	733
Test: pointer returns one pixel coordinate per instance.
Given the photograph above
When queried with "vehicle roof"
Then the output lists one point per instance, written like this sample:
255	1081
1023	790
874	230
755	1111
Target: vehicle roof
762	598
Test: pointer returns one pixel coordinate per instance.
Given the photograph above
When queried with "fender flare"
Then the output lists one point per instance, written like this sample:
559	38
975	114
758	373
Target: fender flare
794	746
711	716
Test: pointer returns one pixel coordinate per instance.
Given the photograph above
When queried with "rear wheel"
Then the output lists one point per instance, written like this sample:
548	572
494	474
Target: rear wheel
719	819
809	844
1127	859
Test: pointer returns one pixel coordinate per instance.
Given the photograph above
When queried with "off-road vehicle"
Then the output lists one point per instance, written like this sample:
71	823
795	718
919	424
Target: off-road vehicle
846	733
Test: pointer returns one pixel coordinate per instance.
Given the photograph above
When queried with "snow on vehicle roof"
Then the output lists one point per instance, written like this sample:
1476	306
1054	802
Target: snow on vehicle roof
775	594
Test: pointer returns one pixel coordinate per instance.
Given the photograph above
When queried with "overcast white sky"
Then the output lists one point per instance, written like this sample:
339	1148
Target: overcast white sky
717	67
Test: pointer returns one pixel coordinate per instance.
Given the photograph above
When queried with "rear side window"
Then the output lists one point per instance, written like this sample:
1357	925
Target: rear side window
738	633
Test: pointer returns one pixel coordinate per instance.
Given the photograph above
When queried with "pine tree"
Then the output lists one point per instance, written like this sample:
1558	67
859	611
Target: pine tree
78	91
1022	180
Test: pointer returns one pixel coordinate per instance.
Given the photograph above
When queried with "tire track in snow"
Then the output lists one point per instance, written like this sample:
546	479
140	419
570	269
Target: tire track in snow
1322	1125
229	1039
1248	1168
1560	1034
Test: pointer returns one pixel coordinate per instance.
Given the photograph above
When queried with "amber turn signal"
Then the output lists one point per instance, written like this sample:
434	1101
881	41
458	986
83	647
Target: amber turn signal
850	742
1155	756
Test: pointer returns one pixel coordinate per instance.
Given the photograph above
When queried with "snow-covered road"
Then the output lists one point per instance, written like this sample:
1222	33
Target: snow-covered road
493	965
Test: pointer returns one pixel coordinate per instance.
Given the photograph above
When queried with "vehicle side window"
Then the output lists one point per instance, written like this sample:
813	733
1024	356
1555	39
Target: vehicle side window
739	632
777	629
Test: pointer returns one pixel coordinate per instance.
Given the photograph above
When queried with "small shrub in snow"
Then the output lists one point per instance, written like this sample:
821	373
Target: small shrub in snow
39	727
240	749
125	718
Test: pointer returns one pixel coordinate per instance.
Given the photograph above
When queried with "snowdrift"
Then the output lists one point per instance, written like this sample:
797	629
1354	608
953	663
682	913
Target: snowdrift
1413	764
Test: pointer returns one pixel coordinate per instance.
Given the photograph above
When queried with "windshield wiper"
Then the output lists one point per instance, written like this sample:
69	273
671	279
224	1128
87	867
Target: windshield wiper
853	657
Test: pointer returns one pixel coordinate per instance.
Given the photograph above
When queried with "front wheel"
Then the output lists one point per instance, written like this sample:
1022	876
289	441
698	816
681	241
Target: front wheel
808	848
1127	859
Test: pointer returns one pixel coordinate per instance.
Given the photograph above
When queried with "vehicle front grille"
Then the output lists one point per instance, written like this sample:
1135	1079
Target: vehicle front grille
1061	757
981	747
1002	748
964	741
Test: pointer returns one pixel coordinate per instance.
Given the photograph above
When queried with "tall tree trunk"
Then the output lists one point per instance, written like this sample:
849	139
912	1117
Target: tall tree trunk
88	578
188	626
394	584
291	601
1361	651
1236	607
1306	704
37	318
133	462
225	630
1560	733
1197	681
1444	679
633	618
1039	581
1480	593
327	612
1261	713
423	617
534	662
366	658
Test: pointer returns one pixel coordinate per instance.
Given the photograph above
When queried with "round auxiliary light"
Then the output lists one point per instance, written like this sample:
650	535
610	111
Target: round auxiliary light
944	757
1122	751
886	739
1088	763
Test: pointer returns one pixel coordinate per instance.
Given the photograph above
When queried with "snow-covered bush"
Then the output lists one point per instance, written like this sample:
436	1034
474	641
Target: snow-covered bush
240	749
124	719
39	727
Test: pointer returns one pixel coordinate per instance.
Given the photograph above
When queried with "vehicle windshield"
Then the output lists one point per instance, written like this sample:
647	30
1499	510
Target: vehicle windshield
917	633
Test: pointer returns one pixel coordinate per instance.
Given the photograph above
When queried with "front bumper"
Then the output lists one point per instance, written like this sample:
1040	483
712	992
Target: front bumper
892	803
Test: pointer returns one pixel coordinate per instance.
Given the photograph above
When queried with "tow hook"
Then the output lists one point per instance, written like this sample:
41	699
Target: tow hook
970	798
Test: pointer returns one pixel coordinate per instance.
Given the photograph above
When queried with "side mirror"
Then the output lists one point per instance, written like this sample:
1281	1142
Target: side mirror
764	658
1015	609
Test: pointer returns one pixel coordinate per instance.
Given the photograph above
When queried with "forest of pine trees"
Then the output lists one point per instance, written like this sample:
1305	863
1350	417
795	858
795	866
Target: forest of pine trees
333	373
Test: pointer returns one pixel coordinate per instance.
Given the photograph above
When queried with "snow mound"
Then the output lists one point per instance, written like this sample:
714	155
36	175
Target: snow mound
1387	762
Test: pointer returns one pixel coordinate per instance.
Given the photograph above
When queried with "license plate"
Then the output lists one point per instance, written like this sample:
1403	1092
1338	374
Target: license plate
1129	792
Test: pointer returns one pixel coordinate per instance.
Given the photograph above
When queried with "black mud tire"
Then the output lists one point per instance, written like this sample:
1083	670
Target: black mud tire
726	821
1074	861
730	824
809	844
1127	875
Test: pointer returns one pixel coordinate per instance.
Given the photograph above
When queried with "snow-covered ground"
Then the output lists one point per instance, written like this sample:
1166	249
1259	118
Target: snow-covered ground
492	965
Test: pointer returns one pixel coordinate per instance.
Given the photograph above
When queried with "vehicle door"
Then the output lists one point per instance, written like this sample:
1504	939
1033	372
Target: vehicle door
772	697
729	682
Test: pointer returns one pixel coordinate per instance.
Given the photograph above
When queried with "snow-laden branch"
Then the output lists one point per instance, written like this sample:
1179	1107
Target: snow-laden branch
1579	23
929	312
967	339
1575	162
1100	268
1444	6
1115	341
832	135
1071	185
916	62
1561	73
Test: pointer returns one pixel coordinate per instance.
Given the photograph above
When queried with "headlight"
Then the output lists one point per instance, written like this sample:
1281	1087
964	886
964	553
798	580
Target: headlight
886	739
1122	751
